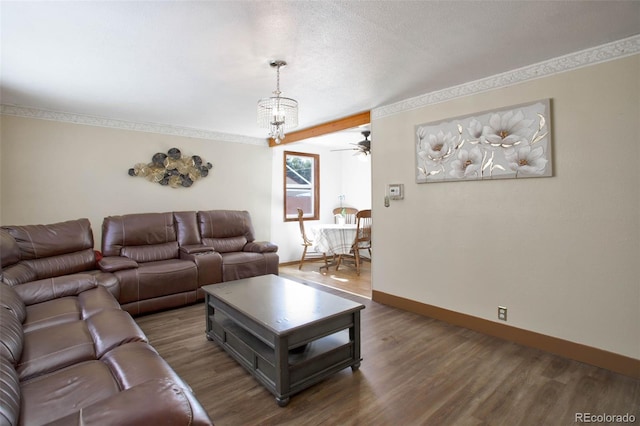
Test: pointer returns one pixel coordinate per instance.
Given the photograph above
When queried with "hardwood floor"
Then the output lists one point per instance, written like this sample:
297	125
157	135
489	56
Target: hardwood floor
415	371
344	279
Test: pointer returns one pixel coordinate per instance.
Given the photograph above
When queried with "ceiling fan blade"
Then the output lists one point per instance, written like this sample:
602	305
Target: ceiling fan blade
362	147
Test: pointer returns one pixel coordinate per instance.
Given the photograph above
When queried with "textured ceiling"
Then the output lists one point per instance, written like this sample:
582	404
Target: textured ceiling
204	65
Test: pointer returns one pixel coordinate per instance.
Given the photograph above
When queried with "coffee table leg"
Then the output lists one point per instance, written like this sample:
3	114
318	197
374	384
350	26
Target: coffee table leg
208	314
282	385
282	402
354	336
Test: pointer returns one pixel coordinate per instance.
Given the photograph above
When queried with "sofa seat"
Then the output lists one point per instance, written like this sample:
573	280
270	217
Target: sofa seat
238	265
230	233
66	309
159	285
156	279
54	396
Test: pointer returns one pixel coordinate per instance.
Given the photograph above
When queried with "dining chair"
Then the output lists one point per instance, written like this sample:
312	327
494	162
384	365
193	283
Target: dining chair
349	214
362	240
308	252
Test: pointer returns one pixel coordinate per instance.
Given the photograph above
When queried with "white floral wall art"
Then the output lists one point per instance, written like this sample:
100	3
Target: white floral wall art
514	142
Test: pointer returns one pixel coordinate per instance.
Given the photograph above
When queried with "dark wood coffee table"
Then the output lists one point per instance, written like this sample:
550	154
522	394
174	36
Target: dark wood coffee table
288	335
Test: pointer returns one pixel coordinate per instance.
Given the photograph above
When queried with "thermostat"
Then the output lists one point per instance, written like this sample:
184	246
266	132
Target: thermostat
396	191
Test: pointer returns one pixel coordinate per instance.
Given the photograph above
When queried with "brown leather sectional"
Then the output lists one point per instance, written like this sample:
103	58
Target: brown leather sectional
70	352
71	356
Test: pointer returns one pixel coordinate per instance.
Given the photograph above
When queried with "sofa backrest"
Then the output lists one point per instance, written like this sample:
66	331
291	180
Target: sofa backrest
187	230
225	230
47	251
143	237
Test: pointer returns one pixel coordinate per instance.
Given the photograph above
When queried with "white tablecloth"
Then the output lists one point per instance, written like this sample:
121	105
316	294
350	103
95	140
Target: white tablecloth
333	238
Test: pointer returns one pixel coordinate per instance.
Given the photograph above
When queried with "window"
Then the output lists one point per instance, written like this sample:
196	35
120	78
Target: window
301	185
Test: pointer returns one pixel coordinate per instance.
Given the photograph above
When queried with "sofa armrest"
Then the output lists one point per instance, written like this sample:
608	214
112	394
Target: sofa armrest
157	401
116	263
260	247
53	288
195	249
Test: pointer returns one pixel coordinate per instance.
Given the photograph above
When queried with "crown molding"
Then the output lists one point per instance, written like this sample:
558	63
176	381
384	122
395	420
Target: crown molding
89	120
607	52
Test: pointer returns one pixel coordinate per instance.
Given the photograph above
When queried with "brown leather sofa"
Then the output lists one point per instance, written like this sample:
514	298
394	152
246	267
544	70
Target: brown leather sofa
70	356
58	252
161	260
230	233
158	260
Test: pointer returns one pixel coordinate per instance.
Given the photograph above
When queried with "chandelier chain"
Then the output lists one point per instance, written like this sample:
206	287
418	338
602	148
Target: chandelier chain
277	92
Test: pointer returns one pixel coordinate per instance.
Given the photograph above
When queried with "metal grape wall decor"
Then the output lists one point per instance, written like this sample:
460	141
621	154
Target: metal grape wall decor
172	169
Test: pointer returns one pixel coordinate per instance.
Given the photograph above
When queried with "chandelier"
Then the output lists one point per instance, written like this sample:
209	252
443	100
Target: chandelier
277	113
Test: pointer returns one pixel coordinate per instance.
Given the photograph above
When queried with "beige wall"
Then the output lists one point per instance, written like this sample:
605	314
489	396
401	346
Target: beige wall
54	171
561	253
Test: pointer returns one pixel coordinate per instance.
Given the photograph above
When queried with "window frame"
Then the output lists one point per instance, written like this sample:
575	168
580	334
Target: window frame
314	211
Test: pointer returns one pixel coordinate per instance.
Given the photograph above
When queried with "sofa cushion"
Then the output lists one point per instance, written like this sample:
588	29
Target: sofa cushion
51	313
225	224
111	328
63	264
238	265
226	245
52	288
52	348
123	409
95	300
136	230
9	250
11	344
68	309
135	363
151	253
187	228
18	274
156	279
9	393
38	241
11	301
63	392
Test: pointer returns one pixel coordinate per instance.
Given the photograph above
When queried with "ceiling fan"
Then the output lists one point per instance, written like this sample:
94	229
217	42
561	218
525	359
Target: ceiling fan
363	147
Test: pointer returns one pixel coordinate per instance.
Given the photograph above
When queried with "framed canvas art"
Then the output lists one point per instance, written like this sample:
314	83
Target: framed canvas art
512	142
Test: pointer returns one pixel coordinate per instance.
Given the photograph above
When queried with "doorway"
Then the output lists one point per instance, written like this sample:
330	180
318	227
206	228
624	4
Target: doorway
345	181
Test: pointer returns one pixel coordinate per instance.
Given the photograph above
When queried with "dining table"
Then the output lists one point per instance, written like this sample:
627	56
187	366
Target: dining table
333	239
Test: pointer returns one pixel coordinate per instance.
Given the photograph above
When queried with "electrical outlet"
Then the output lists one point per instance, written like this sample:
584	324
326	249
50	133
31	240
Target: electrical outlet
502	313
